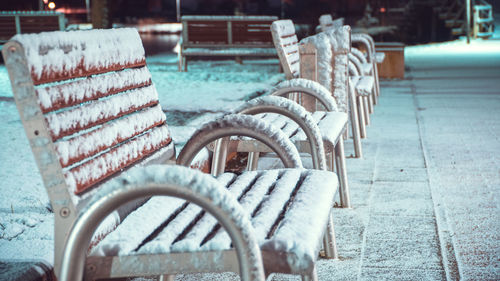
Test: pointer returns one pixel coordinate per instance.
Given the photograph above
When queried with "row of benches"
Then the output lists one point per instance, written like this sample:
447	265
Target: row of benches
98	141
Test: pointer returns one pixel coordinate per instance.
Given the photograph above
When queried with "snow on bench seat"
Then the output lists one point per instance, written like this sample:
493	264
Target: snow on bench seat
230	52
330	124
280	203
363	84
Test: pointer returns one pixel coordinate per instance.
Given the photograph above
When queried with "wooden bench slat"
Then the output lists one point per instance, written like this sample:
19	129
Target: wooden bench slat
86	145
68	122
97	169
157	210
250	193
269	214
69	94
110	50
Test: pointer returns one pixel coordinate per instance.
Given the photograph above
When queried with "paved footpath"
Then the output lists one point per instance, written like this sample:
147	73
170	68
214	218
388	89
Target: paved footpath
426	193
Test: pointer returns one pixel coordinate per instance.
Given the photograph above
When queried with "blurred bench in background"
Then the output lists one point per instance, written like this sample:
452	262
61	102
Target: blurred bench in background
226	36
12	23
393	65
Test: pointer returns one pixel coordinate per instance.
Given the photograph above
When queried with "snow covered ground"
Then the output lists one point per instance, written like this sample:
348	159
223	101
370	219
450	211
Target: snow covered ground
426	195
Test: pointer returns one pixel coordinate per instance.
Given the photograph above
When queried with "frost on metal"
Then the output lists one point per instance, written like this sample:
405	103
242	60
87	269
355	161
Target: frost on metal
311	85
64	52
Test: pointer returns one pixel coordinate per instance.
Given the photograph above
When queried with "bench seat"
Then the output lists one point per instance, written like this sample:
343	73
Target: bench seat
330	124
363	84
283	205
230	52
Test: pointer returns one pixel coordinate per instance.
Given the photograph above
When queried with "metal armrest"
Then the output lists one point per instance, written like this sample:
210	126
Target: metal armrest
176	181
292	110
307	87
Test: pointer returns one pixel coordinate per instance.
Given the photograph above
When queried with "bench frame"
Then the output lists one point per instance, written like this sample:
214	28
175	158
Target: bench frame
226	47
75	224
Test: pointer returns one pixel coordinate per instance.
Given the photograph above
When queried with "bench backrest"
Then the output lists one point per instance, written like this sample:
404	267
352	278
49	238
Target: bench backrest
286	44
88	106
12	23
226	31
326	22
332	48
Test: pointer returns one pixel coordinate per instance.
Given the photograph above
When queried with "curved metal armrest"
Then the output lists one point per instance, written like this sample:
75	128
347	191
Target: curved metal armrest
360	38
292	110
355	67
241	125
176	181
308	87
358	54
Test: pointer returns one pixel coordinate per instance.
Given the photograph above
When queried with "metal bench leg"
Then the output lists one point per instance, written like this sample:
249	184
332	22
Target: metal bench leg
167	277
329	242
219	157
377	82
313	276
366	110
353	111
370	103
361	114
345	200
252	161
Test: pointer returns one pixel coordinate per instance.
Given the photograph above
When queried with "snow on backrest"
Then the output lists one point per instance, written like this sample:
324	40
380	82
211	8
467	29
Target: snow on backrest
60	55
342	38
286	44
325	21
96	95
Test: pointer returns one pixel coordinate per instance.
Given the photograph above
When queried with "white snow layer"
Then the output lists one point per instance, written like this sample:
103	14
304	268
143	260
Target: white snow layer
109	134
92	87
296	110
117	158
57	52
285	41
184	178
87	115
310	86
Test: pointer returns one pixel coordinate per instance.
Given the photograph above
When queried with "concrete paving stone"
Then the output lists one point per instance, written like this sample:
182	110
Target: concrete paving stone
404	254
475	273
389	274
343	269
401	227
400	174
402	206
409	160
474	253
401	190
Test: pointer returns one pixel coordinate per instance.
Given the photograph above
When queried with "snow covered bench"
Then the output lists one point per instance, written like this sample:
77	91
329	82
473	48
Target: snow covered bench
313	96
101	142
12	23
361	75
363	42
225	36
